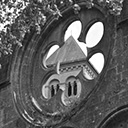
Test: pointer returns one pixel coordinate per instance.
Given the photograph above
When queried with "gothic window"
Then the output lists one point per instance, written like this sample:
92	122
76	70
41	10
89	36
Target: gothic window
74	30
51	90
72	90
56	71
74	47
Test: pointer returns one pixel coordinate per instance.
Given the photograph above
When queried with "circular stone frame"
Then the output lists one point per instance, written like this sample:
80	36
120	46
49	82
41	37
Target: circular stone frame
24	79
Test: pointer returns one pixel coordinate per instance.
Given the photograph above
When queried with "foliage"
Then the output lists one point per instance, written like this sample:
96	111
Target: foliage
17	17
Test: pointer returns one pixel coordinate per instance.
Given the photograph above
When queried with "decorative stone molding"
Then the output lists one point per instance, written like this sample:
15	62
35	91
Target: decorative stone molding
113	6
27	72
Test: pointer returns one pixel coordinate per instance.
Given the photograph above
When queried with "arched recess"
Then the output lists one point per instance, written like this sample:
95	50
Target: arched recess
50	52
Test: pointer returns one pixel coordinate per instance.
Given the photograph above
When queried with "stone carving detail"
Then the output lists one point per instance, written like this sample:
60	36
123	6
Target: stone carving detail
76	8
114	6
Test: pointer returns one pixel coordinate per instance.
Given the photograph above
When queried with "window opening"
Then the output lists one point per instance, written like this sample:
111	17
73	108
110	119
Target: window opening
57	87
72	91
97	60
69	89
51	51
83	47
75	88
72	86
74	30
94	34
51	89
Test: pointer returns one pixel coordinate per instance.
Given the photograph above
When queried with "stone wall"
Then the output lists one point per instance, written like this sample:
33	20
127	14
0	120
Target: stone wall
112	95
8	115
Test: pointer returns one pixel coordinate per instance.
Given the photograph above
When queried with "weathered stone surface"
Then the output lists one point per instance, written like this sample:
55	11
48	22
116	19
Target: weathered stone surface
111	94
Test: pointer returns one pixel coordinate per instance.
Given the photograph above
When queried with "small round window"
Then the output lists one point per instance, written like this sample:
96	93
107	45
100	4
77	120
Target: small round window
94	34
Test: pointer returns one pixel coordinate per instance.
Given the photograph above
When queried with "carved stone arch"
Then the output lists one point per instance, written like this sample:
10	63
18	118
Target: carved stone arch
28	76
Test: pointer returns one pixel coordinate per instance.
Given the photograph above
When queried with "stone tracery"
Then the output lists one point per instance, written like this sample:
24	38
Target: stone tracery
32	106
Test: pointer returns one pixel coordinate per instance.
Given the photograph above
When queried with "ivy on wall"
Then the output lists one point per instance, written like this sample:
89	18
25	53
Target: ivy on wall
17	17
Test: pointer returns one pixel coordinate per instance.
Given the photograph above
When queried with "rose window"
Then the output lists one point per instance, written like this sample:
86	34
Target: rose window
71	59
55	72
